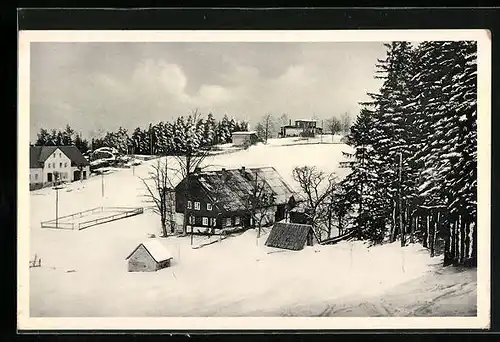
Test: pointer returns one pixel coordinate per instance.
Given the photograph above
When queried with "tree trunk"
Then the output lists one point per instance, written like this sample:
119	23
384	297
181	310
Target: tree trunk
393	223
163	225
186	195
425	238
448	259
467	240
329	224
462	241
433	236
413	221
340	225
457	242
453	251
474	245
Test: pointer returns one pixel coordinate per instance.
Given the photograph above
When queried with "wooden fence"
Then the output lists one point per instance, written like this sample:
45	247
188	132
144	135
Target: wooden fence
120	213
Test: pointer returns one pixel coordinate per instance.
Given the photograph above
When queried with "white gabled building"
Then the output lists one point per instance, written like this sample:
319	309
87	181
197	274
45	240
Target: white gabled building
65	162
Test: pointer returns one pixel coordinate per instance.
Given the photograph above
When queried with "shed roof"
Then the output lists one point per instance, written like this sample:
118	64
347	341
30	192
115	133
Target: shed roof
156	249
289	235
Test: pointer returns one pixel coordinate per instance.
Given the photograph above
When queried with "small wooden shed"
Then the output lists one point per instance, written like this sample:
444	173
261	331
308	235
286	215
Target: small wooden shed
149	256
293	236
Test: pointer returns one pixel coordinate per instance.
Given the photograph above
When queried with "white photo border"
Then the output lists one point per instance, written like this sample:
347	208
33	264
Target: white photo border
481	321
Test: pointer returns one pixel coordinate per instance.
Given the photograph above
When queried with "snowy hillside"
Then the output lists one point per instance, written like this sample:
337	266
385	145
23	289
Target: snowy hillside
84	273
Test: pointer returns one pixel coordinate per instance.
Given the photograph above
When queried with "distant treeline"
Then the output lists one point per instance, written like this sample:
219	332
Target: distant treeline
163	138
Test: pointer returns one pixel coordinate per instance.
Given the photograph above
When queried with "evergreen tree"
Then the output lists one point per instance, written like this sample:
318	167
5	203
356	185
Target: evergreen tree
136	140
43	138
390	132
224	131
209	131
67	136
81	144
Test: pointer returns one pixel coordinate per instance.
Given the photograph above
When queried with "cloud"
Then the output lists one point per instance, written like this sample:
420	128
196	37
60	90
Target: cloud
106	85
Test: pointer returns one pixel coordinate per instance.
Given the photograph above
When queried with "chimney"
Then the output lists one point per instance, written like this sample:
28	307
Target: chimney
290	123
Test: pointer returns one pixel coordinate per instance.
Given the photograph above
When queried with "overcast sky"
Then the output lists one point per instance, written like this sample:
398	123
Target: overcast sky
107	85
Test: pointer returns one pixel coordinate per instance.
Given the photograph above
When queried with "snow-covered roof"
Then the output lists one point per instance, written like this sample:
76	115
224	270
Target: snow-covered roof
244	133
306	120
156	249
231	189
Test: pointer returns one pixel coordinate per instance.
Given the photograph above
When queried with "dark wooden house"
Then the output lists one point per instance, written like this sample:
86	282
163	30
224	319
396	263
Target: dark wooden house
221	200
299	214
291	236
149	256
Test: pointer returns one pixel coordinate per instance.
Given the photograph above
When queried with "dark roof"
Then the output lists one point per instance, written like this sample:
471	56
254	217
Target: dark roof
231	189
39	154
34	156
289	235
74	154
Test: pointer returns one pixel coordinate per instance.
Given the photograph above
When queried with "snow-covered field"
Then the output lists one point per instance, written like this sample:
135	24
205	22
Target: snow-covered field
84	273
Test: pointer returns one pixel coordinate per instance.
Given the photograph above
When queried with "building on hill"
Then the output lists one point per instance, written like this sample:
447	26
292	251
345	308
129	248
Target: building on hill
244	138
149	256
301	128
224	200
291	236
56	163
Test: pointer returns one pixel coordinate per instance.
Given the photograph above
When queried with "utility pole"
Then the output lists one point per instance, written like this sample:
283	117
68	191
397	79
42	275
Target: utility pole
400	213
57	187
57	206
321	135
102	184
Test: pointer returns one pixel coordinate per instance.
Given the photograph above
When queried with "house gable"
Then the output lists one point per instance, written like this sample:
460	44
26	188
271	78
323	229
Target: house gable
141	260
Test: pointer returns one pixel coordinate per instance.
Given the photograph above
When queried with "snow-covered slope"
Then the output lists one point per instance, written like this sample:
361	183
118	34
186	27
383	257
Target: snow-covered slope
84	273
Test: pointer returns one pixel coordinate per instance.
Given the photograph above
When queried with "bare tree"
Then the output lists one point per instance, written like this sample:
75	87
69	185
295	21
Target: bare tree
284	120
259	201
346	121
317	187
160	193
334	126
265	129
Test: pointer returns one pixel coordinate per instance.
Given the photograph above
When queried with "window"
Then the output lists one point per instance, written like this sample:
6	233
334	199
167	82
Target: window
54	155
53	165
36	176
205	221
191	219
60	165
197	205
214	221
209	206
48	165
190	205
237	220
65	164
59	155
228	221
